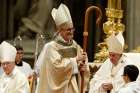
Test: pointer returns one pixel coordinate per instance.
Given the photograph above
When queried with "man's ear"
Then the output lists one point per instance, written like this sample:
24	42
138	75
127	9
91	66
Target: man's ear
127	78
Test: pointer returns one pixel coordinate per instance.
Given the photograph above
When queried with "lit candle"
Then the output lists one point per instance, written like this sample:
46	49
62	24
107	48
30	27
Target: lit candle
114	3
119	4
109	4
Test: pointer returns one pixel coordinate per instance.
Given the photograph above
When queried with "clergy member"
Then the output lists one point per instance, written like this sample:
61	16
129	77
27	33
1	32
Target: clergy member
108	79
12	80
62	59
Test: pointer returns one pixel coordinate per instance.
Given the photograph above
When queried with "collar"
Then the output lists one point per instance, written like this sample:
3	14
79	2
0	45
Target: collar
122	59
134	83
61	41
20	63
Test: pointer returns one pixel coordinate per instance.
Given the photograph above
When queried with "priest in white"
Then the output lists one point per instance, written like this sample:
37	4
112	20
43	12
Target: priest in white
62	59
12	80
108	78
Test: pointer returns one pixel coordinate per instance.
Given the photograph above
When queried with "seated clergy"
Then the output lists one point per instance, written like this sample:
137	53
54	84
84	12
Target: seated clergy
108	79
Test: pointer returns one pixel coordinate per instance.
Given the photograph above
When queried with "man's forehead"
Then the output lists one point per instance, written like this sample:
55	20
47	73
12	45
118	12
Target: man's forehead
67	25
7	62
113	53
19	50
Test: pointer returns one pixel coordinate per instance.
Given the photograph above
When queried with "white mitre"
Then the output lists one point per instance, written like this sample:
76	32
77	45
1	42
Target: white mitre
116	43
61	15
7	52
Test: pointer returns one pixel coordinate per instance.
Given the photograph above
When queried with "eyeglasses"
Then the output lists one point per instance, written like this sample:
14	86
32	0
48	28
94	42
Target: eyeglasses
6	63
69	29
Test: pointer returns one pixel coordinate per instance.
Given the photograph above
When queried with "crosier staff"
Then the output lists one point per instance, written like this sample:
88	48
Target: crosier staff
85	34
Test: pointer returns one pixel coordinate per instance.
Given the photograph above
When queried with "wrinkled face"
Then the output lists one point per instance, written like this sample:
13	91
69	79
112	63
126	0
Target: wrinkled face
8	67
19	56
114	57
67	32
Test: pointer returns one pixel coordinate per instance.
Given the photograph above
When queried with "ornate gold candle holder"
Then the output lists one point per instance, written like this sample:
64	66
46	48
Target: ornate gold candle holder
118	26
113	23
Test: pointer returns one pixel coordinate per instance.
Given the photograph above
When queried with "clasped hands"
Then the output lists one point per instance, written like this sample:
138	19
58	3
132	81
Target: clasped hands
107	86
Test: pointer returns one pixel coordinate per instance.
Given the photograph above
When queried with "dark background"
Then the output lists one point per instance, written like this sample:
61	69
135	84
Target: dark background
10	20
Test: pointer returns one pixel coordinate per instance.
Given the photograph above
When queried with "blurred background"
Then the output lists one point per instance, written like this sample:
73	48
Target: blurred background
13	12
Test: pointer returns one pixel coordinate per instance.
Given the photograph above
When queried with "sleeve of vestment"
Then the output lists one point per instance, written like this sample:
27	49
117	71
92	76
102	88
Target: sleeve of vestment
40	60
98	79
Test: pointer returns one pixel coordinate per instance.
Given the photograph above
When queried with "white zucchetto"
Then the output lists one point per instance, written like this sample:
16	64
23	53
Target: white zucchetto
7	52
116	43
61	15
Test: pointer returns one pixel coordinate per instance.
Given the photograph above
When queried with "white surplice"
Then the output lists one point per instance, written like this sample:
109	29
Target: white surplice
111	74
16	82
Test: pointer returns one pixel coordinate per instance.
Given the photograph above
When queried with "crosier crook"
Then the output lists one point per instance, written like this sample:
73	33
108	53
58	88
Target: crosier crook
85	35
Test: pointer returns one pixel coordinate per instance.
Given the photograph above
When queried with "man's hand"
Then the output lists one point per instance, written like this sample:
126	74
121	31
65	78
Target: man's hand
83	67
33	75
81	57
